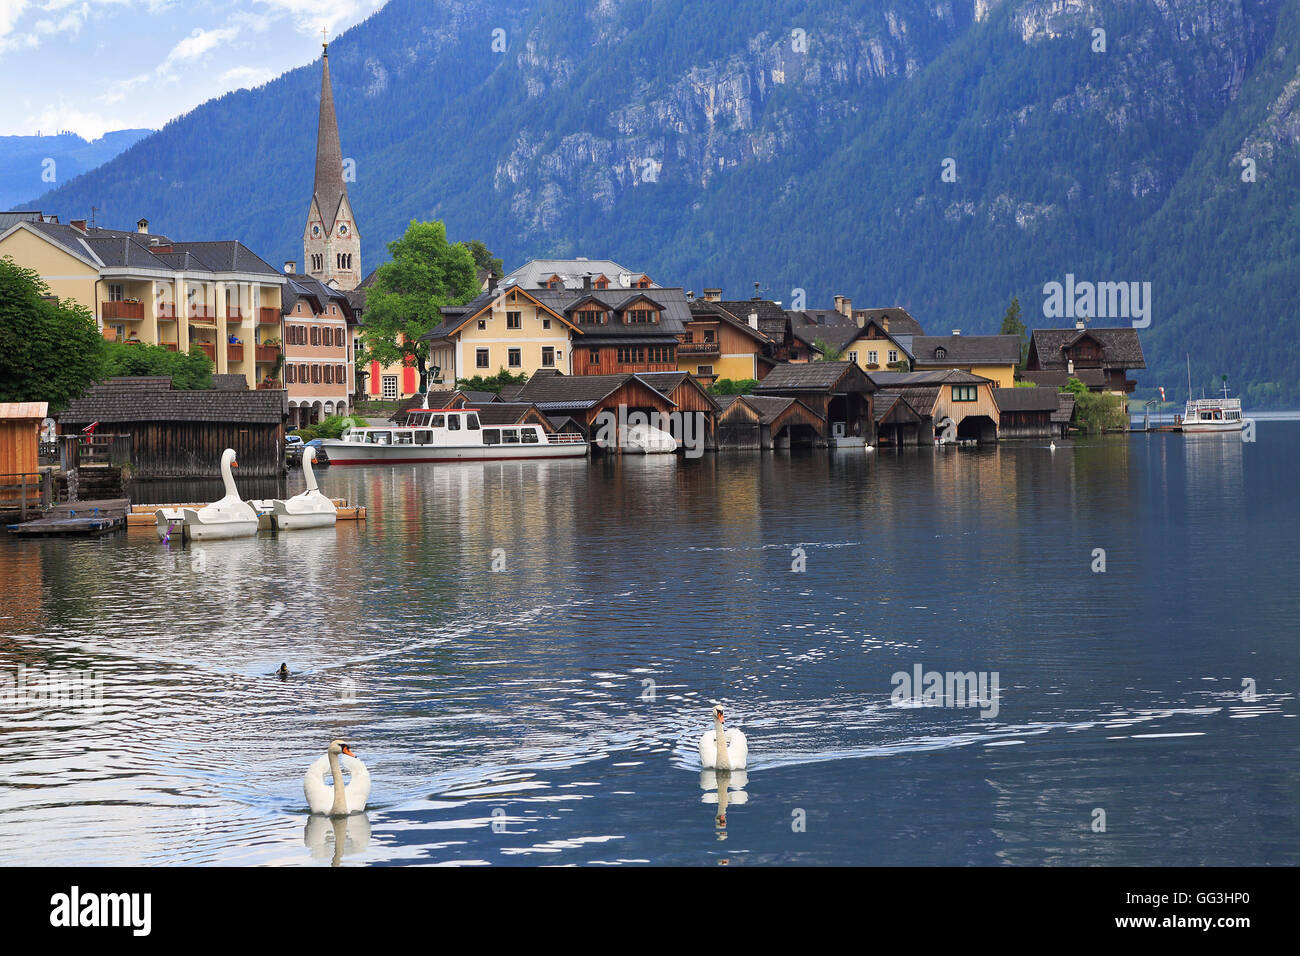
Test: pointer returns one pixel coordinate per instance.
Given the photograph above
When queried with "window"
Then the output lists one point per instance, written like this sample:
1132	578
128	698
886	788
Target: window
548	356
514	320
873	357
341	374
115	293
315	374
482	324
964	393
893	356
289	376
389	387
315	335
424	438
941	353
546	323
601	283
529	435
853	357
703	370
594	357
491	436
438	421
510	436
688	338
661	353
480	358
644	283
708	336
591	317
453	423
514	358
471	422
379	438
640	316
329	374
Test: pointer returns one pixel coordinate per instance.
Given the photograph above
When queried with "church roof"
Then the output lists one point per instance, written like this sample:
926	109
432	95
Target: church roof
330	188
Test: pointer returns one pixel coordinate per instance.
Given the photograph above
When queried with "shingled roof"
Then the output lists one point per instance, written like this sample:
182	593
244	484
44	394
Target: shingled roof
115	403
932	377
551	390
1121	347
505	413
967	349
1027	399
835	377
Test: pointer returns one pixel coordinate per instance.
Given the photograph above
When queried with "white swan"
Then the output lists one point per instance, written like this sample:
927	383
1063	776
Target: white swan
231	517
723	750
1052	446
310	509
336	799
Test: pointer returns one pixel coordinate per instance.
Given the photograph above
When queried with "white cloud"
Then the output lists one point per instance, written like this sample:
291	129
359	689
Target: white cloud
247	77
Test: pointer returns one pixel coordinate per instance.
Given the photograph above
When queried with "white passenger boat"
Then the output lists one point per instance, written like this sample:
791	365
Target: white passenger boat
449	435
1212	414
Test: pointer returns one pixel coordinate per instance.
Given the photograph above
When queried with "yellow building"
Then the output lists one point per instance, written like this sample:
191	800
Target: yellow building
511	329
994	357
717	344
145	288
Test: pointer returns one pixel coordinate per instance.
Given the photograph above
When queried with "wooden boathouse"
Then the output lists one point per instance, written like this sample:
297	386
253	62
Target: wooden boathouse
180	434
765	422
839	392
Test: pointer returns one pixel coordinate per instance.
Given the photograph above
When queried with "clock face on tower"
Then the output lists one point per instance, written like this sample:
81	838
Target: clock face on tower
315	231
343	230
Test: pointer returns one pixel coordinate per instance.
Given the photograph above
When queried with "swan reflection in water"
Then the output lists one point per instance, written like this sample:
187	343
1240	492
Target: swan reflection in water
724	787
349	835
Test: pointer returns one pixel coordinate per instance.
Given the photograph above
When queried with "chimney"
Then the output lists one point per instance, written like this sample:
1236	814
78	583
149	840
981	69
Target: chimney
956	331
492	283
753	320
290	267
690	295
78	224
586	282
839	304
884	322
1080	324
142	226
847	311
712	295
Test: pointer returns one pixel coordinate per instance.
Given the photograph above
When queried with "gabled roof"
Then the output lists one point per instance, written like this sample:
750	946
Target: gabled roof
900	320
571	271
704	311
456	317
320	293
967	349
1027	399
1121	347
550	390
891	405
505	413
813	377
940	376
768	408
665	383
130	403
772	319
826	325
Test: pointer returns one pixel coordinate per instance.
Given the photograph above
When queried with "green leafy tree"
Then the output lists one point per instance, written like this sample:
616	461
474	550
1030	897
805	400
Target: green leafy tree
491	383
187	370
426	272
49	351
483	258
902	365
727	386
1012	324
829	353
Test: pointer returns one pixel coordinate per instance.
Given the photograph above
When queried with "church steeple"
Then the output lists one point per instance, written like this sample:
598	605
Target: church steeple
331	243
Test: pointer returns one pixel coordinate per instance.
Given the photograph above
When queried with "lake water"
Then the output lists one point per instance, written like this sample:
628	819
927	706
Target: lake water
548	713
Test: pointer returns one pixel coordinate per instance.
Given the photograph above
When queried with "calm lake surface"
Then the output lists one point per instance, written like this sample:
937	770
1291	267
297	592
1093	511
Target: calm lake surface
548	713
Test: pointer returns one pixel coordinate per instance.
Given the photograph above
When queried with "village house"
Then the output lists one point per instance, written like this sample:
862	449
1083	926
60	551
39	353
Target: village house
510	330
840	393
993	357
1033	412
145	288
944	398
1100	358
718	345
318	349
870	338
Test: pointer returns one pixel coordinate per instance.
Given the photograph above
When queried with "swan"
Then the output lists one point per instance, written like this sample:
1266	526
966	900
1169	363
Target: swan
1052	446
231	517
310	509
337	800
723	750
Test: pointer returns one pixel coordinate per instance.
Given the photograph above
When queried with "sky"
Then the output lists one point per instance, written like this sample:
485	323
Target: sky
91	66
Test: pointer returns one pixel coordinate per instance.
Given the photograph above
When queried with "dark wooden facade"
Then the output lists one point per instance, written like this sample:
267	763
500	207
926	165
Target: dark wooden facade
606	359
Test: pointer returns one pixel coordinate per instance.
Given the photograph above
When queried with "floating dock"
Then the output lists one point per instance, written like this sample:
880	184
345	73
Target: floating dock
80	518
143	516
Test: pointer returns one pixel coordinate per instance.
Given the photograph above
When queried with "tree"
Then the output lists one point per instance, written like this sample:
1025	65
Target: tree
49	351
426	272
829	353
491	383
1012	324
483	258
187	370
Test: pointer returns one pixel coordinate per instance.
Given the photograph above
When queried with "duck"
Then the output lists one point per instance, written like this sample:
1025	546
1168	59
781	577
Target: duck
336	799
283	672
723	749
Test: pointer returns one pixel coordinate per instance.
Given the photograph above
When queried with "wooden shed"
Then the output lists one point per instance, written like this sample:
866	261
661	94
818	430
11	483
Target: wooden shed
839	392
178	433
767	421
20	438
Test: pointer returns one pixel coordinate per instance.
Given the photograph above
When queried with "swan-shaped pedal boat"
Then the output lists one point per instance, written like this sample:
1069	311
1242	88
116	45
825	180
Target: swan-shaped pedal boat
231	517
310	509
335	799
723	749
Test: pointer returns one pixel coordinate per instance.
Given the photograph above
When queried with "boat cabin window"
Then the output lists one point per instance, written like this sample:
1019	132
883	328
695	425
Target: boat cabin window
510	436
437	421
379	438
453	422
471	422
424	438
530	435
405	438
491	436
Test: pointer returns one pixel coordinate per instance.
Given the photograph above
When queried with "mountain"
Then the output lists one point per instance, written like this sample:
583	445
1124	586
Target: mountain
29	164
942	155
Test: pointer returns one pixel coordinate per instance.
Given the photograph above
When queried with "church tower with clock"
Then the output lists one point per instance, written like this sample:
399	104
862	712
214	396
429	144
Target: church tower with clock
331	243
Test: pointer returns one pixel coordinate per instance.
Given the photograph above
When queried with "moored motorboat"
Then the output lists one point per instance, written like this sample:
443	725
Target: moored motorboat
450	434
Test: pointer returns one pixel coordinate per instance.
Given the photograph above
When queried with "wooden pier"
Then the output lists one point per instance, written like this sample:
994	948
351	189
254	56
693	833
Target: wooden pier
81	518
